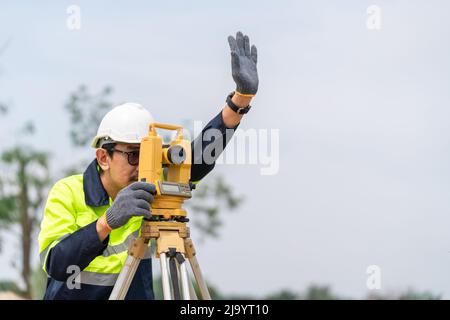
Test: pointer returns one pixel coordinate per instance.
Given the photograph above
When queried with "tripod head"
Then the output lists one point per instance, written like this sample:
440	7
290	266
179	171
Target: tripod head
168	167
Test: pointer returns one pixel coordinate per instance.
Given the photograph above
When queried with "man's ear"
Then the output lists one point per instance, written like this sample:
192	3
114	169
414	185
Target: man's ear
102	159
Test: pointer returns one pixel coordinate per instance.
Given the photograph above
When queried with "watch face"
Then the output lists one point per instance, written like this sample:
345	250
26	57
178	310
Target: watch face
236	108
243	110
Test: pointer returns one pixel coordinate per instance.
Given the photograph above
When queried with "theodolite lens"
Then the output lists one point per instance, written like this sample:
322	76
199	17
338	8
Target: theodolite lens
176	154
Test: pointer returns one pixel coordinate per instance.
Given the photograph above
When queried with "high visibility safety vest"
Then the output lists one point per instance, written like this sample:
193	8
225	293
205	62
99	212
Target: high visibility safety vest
78	264
76	203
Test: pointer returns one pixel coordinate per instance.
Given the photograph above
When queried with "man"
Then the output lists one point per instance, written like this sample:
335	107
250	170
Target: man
90	219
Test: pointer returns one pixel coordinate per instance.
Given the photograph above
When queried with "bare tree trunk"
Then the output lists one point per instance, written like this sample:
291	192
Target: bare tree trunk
26	225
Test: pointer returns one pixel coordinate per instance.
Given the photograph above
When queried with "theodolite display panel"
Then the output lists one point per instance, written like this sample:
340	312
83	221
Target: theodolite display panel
175	189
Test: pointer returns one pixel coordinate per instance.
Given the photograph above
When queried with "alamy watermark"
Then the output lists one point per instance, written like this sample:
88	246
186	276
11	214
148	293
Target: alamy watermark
73	21
74	280
373	21
250	146
374	280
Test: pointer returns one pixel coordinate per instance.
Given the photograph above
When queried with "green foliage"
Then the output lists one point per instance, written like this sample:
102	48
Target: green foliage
76	168
85	114
21	195
408	294
7	285
416	295
8	209
317	292
312	292
19	159
209	199
284	294
86	111
38	283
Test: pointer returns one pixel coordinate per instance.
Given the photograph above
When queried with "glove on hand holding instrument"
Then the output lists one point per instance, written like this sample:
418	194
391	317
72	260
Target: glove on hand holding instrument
132	201
243	65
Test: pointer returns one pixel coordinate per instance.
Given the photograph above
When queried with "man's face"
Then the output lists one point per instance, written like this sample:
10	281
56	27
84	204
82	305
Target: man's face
123	173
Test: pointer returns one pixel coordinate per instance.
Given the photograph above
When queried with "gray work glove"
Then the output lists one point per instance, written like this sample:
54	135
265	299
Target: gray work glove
131	201
243	64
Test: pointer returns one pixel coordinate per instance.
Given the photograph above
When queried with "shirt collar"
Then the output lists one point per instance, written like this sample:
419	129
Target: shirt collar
95	194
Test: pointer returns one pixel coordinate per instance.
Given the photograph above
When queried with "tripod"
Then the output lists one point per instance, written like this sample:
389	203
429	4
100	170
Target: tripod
168	167
173	246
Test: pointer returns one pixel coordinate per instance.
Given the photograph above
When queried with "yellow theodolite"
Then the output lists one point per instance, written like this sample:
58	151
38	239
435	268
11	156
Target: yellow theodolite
173	185
168	167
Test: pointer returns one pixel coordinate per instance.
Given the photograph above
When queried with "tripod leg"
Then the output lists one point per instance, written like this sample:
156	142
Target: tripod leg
184	281
190	253
165	277
124	280
204	293
174	274
192	292
136	252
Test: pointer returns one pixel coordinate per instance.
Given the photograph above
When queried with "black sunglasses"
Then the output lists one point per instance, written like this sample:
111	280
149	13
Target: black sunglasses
133	156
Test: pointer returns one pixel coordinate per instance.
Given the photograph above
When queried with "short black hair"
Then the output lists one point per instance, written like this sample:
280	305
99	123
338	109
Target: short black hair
109	147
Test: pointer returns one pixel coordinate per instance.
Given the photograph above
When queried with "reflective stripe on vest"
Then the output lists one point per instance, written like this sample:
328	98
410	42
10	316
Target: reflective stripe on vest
110	250
121	247
43	254
118	248
97	279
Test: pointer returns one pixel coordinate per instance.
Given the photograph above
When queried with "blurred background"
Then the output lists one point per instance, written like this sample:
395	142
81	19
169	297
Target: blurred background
353	105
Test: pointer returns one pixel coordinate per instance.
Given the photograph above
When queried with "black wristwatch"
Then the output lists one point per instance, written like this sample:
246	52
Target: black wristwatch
234	107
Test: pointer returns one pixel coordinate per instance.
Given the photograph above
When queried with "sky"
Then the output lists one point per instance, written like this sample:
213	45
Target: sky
360	114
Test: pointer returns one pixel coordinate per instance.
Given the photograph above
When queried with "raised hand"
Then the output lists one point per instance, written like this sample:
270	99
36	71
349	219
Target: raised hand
243	65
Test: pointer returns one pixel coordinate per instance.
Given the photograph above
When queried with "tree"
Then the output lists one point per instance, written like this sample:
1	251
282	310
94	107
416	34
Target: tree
10	286
209	199
417	295
409	294
38	282
319	292
21	196
284	294
86	111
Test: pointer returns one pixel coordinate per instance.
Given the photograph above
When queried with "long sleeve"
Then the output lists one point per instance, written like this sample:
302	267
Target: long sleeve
78	249
208	146
62	243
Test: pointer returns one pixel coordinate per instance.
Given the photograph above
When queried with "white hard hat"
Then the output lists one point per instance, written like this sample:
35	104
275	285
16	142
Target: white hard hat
128	123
